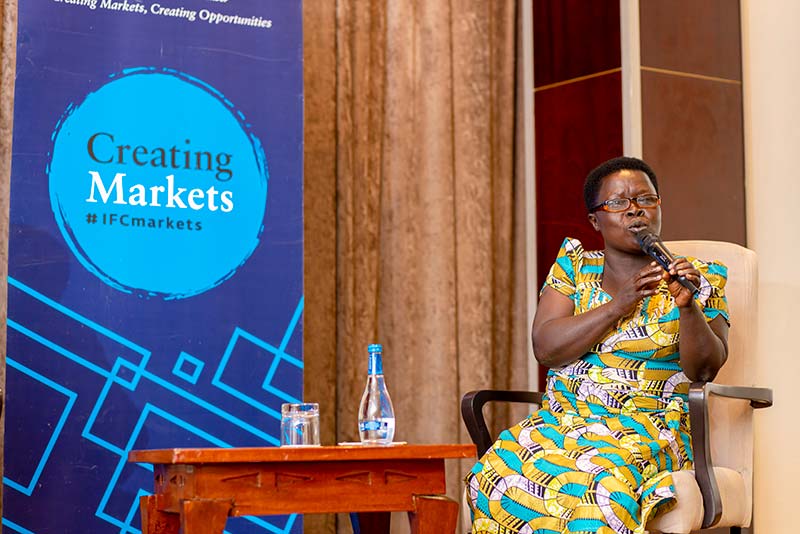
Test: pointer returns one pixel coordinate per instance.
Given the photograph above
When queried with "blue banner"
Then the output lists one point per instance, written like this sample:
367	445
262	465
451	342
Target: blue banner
155	249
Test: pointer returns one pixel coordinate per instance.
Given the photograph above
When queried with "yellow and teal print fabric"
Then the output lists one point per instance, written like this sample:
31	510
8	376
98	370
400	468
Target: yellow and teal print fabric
597	456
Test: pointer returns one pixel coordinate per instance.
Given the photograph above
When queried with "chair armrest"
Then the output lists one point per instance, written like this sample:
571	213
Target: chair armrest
472	411
701	444
758	397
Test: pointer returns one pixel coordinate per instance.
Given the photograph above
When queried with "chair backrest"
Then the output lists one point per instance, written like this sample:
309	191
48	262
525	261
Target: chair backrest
731	421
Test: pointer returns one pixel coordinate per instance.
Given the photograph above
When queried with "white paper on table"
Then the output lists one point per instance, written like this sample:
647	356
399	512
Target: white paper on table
353	443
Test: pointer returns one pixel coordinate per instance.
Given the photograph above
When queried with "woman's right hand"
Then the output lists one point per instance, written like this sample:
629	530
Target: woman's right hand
643	284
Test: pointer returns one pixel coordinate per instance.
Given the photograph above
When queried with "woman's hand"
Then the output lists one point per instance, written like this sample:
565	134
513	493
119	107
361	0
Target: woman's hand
681	267
703	344
642	285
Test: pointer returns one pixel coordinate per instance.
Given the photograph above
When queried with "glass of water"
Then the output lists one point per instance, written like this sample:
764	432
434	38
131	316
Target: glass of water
300	424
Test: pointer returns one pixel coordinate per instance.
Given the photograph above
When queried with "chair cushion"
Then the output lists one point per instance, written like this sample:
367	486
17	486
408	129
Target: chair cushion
687	515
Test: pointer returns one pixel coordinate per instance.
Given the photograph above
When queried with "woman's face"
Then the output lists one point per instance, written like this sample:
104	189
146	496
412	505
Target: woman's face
619	229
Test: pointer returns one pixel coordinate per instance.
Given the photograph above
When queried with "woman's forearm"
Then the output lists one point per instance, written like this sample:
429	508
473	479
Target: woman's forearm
702	350
563	340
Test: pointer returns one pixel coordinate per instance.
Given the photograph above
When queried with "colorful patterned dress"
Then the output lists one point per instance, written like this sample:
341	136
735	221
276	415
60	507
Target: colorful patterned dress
597	456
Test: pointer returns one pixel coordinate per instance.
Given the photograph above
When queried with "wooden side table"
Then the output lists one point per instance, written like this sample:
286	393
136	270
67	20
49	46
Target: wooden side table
196	490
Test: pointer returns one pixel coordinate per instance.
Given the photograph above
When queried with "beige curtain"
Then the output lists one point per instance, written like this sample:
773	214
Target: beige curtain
8	57
413	234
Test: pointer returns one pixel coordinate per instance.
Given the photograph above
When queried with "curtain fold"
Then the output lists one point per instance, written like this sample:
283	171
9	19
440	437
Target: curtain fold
8	59
360	41
427	230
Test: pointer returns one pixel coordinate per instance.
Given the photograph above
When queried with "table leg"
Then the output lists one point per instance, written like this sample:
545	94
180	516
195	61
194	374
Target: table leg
201	516
154	521
374	522
433	514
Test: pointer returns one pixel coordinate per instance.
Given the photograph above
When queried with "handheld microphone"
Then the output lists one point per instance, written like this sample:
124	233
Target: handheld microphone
652	245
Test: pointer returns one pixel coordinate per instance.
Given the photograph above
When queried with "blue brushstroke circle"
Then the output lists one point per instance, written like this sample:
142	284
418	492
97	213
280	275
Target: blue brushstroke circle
118	155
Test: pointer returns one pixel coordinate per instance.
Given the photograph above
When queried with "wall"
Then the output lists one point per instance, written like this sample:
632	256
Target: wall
691	112
772	131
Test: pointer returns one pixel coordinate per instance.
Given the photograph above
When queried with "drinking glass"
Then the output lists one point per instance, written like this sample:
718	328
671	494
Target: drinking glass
300	424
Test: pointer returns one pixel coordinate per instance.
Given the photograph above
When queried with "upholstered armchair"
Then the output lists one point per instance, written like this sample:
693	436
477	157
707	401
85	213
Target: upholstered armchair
719	491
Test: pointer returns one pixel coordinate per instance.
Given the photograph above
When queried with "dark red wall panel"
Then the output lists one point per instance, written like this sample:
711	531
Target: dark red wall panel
578	126
573	38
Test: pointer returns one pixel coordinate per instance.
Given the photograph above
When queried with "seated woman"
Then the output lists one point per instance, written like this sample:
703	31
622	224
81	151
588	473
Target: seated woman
622	339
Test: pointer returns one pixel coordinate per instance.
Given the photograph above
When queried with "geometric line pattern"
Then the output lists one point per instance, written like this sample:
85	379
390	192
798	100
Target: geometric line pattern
179	370
71	396
131	372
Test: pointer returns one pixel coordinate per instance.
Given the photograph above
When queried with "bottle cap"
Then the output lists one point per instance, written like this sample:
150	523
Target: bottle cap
375	347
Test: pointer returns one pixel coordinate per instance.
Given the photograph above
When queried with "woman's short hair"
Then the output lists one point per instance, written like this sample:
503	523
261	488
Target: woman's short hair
591	187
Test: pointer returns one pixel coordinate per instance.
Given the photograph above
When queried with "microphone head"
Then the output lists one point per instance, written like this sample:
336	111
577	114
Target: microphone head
646	238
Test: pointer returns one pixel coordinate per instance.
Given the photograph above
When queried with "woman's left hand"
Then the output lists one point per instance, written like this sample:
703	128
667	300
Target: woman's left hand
681	267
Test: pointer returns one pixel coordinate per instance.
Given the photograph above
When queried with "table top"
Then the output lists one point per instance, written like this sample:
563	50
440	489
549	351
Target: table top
302	454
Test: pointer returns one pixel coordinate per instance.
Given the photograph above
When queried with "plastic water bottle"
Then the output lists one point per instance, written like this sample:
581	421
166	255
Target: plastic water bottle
375	413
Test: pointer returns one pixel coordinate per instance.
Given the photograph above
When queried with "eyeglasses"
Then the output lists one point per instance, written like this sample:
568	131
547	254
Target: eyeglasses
615	205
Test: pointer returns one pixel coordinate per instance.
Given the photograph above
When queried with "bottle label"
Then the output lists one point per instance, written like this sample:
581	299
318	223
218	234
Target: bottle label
375	364
371	425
